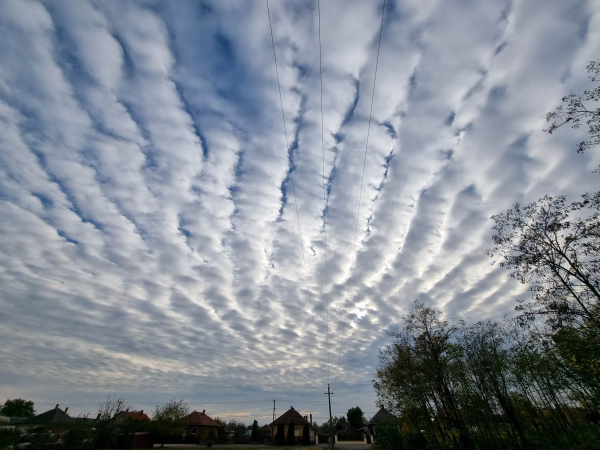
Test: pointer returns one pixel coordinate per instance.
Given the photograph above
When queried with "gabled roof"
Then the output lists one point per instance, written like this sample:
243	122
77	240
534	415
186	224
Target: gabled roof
134	415
380	416
291	416
55	415
200	419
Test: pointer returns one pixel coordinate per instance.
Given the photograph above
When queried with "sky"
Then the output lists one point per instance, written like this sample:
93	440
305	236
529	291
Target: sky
163	235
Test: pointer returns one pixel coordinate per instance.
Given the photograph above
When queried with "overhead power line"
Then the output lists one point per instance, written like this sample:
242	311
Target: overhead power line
362	179
287	145
324	190
117	386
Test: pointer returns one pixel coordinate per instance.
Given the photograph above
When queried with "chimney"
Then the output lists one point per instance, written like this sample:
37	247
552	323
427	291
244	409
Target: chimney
66	409
291	407
311	419
98	416
57	405
127	410
203	411
141	412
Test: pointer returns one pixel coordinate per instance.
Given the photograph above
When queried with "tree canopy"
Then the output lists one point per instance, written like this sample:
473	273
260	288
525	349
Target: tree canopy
168	419
17	408
490	384
356	418
554	247
579	107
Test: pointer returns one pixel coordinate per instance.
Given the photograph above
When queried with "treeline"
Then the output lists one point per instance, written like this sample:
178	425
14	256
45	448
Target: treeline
529	382
491	385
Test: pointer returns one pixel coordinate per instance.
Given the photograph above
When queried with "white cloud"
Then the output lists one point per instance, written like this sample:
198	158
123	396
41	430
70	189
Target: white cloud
149	243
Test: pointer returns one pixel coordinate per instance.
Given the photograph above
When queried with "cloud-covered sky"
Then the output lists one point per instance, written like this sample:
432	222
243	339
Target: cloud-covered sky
149	243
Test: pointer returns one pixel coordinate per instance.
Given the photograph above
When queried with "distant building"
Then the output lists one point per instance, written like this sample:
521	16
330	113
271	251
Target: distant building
11	422
380	416
267	432
299	421
55	417
200	427
133	415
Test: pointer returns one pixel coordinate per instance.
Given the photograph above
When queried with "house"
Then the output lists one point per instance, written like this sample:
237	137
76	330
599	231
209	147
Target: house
133	415
54	418
200	427
299	421
380	416
11	422
267	432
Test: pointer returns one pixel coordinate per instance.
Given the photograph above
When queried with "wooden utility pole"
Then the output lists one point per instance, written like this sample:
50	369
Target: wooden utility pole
273	424
331	435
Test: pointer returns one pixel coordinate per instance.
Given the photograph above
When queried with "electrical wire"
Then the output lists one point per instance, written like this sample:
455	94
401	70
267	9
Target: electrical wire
324	190
193	385
353	258
294	192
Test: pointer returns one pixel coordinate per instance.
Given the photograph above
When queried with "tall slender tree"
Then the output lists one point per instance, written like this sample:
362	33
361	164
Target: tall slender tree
291	436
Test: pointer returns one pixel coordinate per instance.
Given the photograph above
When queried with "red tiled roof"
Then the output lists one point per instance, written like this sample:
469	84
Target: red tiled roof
291	416
134	415
200	419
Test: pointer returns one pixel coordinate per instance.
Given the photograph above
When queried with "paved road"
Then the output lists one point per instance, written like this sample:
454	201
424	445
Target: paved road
338	446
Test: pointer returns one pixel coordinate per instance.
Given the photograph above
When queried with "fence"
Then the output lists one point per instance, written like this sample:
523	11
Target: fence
349	437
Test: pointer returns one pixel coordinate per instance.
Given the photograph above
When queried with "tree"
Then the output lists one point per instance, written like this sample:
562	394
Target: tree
554	246
576	108
107	428
221	432
316	427
112	406
306	435
337	423
291	436
254	435
280	436
388	435
238	428
168	419
420	368
356	418
17	408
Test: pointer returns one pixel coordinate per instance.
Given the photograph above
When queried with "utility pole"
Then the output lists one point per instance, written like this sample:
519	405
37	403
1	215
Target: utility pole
331	435
273	424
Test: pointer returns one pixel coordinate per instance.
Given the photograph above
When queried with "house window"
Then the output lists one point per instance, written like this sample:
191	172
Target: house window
194	430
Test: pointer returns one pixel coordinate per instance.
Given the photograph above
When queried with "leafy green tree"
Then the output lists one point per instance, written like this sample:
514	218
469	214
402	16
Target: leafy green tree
338	424
388	435
168	419
356	418
17	408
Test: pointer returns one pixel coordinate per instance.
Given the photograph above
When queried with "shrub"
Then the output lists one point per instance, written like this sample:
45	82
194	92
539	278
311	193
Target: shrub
388	435
8	438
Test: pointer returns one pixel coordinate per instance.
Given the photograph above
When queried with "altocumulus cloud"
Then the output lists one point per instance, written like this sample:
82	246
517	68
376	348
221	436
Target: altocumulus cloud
148	236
